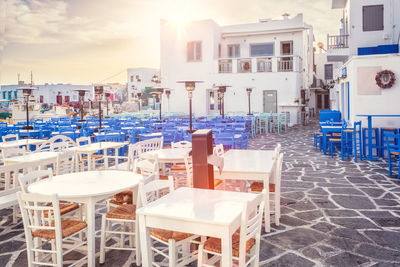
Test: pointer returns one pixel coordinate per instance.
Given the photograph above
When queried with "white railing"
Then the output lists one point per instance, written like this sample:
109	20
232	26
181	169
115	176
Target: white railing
260	64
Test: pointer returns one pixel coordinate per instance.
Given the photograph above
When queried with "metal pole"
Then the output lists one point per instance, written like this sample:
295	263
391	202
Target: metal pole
99	114
190	113
249	106
160	107
27	113
107	107
223	106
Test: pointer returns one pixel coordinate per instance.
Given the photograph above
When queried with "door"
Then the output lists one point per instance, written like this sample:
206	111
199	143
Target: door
270	101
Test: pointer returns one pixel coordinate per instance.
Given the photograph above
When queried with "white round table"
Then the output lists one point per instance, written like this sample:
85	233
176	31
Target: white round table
87	188
168	155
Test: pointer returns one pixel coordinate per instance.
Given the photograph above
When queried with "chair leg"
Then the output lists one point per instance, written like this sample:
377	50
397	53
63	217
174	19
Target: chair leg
103	239
172	253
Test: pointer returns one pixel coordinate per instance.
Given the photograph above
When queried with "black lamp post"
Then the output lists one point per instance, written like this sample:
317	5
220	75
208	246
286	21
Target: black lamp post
81	93
107	95
248	90
27	92
159	91
154	94
221	92
190	86
139	95
98	90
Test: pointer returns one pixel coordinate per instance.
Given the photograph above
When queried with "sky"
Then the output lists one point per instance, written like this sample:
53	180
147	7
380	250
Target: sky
90	41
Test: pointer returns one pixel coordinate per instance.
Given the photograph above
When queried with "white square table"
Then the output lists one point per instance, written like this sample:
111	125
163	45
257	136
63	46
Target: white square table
249	165
87	188
204	212
90	149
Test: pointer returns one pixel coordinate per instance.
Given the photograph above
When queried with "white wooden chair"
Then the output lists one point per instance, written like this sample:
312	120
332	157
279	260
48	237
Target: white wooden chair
8	178
57	143
274	187
12	152
65	162
170	245
133	154
181	144
219	150
150	144
10	137
245	243
121	222
218	184
43	226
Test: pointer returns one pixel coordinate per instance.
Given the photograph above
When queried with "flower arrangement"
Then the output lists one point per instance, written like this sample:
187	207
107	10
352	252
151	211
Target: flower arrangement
385	79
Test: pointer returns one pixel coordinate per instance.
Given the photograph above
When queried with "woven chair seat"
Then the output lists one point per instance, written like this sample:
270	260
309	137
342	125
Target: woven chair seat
335	139
373	128
389	128
123	212
68	227
178	167
259	187
337	134
394	153
95	156
64	208
163	177
217	182
165	235
214	244
123	197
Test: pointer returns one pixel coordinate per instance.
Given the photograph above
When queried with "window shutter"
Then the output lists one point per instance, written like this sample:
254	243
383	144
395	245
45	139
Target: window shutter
328	71
373	18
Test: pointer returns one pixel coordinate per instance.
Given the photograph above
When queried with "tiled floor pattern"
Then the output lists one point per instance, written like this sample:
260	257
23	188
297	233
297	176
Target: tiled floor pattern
334	213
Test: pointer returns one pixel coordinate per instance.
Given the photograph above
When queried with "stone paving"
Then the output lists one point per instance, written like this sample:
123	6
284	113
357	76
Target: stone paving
334	213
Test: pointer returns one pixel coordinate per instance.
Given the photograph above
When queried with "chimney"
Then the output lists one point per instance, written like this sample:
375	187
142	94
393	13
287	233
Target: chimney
285	16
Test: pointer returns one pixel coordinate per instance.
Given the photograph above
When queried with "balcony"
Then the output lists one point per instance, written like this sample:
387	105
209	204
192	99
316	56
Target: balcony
337	41
287	63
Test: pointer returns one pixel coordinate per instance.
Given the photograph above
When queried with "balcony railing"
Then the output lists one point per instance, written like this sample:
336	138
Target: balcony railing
338	41
225	66
264	64
286	63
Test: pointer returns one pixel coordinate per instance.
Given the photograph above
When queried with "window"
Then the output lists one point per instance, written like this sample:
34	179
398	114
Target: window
259	50
328	71
233	50
41	99
4	95
219	50
373	18
194	51
66	99
131	78
287	48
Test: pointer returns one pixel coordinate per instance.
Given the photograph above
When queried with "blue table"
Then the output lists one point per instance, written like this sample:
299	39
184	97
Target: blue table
326	130
370	157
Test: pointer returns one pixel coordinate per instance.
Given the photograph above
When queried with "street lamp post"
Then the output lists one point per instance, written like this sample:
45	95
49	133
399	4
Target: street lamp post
107	95
248	90
190	86
98	90
27	92
221	93
139	95
81	93
154	94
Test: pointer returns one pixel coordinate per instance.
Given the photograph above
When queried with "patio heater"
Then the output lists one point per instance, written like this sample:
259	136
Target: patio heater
190	86
98	90
139	95
168	93
81	93
221	93
27	92
248	90
159	91
154	94
107	95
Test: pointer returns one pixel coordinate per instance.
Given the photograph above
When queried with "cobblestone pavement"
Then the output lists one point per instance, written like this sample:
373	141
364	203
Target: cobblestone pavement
334	213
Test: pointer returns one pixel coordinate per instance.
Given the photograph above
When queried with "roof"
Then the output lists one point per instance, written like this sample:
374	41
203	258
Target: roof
338	4
266	26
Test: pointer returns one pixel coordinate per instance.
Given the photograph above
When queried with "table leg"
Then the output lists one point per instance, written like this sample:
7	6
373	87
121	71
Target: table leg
144	236
91	244
324	140
106	158
267	212
370	156
226	249
89	158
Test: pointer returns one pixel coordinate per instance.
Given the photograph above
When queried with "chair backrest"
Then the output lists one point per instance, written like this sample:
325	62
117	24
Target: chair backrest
65	162
57	143
189	171
83	140
250	227
38	215
181	144
152	190
392	142
12	152
147	167
10	137
219	150
150	144
8	173
277	150
27	179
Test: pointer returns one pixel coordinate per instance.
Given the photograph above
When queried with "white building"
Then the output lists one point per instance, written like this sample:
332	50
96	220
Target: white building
48	93
368	43
140	79
273	57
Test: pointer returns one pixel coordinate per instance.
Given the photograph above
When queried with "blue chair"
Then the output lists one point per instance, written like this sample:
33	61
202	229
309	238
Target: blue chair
375	138
357	141
384	131
393	147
